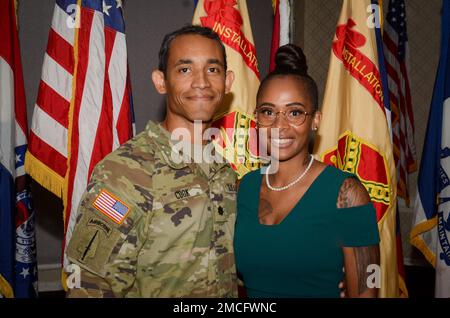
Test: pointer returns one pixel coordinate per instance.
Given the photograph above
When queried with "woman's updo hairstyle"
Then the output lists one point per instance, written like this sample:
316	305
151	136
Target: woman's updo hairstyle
290	60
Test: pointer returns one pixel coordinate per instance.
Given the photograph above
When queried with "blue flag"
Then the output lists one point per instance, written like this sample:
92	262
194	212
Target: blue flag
431	232
7	234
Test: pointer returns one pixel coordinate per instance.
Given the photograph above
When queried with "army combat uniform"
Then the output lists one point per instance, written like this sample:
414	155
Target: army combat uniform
152	226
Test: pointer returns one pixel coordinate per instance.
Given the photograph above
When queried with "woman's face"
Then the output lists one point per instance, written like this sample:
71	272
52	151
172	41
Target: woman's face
282	104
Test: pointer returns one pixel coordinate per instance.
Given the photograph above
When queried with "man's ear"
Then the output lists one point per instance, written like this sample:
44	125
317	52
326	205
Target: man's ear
159	81
229	79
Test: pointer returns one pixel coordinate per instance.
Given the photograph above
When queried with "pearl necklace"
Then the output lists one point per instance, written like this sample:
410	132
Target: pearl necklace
293	182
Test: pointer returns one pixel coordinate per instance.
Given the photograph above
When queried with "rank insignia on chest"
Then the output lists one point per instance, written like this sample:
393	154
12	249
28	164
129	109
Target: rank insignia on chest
111	206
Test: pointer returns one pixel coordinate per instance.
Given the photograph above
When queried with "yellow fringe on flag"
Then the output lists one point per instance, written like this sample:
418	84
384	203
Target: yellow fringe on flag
419	243
69	137
402	287
16	6
274	5
380	3
45	176
64	280
71	113
5	288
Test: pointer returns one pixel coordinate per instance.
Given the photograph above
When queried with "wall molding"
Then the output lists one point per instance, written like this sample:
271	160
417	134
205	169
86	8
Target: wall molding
49	277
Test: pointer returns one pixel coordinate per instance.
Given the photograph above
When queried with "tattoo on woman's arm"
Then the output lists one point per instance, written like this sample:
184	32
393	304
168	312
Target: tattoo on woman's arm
352	193
365	256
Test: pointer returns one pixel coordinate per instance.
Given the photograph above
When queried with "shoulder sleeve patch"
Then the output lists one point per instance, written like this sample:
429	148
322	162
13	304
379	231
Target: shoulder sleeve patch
111	206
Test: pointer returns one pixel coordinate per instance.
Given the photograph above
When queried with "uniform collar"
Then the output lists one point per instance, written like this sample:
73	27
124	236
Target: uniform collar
161	137
166	146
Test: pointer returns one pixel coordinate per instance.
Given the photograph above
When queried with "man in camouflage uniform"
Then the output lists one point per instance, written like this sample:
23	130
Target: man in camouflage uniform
152	223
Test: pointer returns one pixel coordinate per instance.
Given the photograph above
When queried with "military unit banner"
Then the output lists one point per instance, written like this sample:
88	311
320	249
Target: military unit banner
354	134
230	20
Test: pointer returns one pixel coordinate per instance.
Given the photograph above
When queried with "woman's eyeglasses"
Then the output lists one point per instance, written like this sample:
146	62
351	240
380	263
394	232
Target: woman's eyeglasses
266	116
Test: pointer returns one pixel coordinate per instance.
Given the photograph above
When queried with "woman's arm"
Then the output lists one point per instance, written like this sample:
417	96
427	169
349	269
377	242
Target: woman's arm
357	259
356	262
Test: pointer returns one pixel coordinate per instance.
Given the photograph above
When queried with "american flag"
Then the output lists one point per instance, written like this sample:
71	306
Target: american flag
112	207
84	108
397	54
282	32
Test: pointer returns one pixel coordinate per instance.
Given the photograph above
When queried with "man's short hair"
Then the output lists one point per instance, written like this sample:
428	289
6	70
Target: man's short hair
188	29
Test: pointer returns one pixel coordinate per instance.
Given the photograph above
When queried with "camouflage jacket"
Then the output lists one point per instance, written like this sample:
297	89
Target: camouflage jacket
150	227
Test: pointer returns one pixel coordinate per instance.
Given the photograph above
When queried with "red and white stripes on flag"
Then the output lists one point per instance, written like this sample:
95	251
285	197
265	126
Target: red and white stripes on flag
283	23
84	108
46	159
402	118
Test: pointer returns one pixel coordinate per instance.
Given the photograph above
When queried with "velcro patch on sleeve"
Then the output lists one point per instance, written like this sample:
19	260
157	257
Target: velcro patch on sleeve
115	209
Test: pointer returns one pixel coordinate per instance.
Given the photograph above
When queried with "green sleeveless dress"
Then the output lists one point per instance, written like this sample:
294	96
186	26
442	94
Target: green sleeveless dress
302	256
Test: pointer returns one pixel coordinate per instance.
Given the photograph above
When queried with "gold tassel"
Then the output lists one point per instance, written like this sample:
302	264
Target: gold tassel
5	288
43	175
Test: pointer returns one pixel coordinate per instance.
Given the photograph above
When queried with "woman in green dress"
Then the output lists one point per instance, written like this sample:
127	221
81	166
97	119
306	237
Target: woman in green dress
299	225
